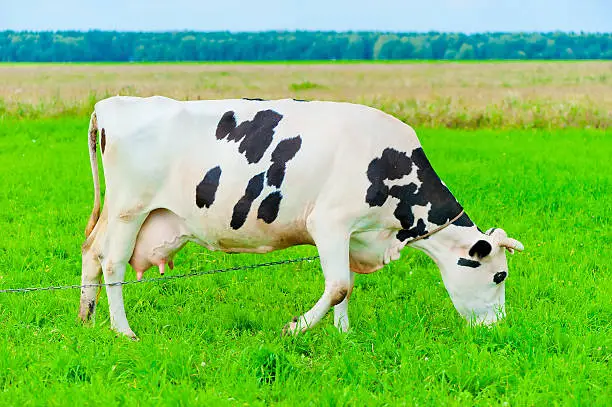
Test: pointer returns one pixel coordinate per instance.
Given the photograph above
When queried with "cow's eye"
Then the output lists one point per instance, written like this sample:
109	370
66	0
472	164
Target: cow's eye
499	277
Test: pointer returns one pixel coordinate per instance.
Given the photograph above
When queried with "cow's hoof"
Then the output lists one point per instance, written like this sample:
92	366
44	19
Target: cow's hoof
87	310
129	334
291	328
343	327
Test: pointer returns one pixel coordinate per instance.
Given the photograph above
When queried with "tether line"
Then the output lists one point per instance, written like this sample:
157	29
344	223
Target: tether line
165	278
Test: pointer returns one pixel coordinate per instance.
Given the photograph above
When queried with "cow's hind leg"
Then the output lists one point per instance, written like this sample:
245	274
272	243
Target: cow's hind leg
91	268
90	275
334	254
118	247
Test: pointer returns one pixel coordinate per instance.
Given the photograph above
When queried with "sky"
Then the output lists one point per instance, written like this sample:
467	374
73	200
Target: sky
467	16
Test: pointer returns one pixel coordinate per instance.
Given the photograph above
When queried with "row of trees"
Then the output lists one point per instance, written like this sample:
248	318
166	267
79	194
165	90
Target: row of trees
68	46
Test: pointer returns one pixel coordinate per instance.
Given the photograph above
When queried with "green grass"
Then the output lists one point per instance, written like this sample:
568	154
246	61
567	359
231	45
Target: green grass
215	340
304	85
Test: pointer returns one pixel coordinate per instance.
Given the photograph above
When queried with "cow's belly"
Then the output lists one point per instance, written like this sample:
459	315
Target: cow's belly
371	250
255	236
258	241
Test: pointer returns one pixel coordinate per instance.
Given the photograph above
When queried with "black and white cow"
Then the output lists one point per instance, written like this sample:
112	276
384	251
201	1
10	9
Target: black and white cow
256	176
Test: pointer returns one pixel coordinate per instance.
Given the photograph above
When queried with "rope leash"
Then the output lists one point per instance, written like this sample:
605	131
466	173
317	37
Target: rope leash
436	230
165	278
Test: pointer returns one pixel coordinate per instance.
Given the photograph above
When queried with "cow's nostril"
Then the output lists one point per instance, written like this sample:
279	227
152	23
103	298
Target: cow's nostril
499	277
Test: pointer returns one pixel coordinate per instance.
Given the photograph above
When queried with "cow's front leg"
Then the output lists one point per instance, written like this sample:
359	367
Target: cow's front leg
341	318
119	245
334	254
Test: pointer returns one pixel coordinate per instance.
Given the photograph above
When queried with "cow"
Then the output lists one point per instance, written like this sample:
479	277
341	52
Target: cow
256	176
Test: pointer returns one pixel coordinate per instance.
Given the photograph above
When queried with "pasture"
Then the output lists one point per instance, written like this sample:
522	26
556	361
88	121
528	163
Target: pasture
523	146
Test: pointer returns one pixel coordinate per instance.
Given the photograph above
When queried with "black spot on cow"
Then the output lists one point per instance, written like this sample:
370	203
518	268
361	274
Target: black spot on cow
464	221
391	165
242	208
481	249
412	233
403	212
468	262
254	99
284	151
301	100
103	140
255	136
207	188
444	206
490	231
225	125
499	277
268	210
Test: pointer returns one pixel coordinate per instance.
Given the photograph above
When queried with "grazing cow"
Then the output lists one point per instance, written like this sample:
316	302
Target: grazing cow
256	176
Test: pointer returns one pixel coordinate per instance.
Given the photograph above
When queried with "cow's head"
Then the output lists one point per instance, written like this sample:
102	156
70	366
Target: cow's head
475	271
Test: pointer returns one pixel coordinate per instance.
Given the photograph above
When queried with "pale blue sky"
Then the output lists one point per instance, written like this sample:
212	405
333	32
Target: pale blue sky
340	15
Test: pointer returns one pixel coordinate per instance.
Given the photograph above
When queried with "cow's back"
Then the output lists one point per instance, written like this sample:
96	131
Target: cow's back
246	175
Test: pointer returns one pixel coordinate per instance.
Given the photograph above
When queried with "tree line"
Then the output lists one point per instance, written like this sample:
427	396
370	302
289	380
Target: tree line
101	46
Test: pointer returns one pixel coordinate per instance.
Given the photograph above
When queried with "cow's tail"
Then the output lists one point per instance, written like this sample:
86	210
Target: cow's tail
93	160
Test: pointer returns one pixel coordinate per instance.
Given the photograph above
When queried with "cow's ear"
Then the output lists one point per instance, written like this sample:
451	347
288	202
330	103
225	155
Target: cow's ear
511	245
481	249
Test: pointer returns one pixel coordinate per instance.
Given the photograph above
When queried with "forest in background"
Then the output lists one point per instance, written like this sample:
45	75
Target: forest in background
111	46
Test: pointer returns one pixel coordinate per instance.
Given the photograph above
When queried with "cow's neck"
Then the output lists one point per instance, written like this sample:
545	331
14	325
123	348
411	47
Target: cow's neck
447	244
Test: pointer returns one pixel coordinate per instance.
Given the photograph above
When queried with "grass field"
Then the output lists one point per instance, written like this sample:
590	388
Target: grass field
215	340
